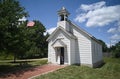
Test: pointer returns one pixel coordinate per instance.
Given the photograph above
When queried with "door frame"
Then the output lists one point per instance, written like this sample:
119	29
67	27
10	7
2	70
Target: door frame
62	57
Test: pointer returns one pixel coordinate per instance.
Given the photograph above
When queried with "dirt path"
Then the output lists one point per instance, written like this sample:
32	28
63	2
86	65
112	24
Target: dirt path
33	72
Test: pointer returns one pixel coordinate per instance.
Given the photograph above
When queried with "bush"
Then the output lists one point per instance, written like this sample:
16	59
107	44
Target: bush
116	54
34	52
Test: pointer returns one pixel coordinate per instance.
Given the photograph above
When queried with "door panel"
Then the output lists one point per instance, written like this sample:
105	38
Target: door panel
62	55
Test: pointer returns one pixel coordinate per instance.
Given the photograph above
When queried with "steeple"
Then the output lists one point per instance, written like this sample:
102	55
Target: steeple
63	21
63	14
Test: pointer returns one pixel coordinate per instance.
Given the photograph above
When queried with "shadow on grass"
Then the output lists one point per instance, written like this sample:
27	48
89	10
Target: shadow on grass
98	66
17	70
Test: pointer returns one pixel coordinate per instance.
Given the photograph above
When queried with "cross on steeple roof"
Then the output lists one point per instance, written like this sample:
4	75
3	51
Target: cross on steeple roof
63	11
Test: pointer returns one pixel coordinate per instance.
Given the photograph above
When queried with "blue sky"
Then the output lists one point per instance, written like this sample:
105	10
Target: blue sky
101	18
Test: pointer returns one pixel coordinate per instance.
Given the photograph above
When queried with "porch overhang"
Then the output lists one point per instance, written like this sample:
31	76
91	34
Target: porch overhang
58	43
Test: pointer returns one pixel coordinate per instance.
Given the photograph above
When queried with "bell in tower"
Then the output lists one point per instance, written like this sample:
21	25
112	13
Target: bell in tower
63	13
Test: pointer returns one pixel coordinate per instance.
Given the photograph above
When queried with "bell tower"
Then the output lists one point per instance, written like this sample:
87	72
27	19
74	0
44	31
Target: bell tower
63	14
63	19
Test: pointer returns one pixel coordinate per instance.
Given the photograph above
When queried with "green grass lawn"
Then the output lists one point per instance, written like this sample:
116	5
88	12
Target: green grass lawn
110	70
8	67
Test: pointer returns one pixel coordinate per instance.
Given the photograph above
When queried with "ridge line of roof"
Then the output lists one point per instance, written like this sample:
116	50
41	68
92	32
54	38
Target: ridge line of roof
90	35
81	29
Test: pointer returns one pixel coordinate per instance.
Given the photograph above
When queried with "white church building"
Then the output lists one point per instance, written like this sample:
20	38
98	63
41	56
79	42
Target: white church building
69	44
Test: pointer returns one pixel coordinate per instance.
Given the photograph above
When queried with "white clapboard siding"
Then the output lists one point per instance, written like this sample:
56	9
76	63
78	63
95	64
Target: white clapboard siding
84	47
72	51
79	46
51	53
51	50
96	52
64	24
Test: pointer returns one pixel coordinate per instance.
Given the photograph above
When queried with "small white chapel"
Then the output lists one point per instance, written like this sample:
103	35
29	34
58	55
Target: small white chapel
69	44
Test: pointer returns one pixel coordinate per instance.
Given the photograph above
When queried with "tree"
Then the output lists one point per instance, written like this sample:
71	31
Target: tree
104	46
16	37
38	40
10	13
116	50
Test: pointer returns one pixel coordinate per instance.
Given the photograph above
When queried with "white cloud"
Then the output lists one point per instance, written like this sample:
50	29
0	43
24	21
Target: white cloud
115	37
108	45
23	19
116	33
50	30
98	14
92	6
119	26
80	18
113	42
112	30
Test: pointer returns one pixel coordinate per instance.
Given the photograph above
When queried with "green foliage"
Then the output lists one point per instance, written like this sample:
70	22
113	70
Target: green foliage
4	56
10	13
104	46
38	44
116	50
16	37
110	70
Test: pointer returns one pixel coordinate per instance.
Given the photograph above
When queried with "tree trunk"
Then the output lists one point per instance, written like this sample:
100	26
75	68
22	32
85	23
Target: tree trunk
14	57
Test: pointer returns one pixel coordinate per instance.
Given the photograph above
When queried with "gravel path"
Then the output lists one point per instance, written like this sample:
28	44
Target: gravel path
33	72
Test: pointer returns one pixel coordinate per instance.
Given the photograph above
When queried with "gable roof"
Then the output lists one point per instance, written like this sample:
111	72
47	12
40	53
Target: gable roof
92	37
63	30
